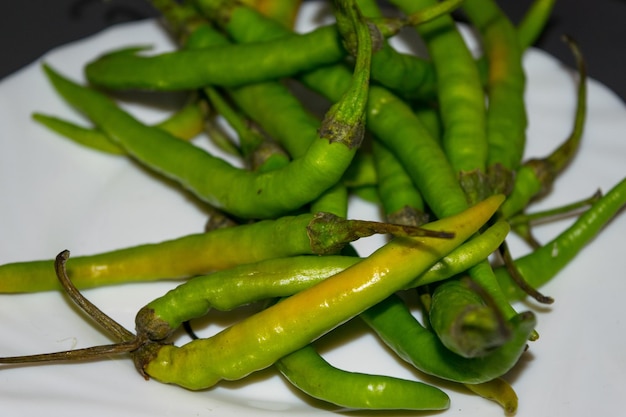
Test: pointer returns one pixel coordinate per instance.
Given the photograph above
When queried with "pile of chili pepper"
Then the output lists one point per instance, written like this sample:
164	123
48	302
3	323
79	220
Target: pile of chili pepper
436	142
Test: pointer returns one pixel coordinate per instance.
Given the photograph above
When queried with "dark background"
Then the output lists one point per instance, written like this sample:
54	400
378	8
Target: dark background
29	28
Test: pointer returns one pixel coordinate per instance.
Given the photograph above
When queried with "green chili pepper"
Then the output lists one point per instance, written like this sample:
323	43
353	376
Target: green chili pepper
464	322
402	202
309	372
218	65
334	201
86	136
281	277
535	177
539	266
225	65
385	60
533	22
256	149
395	125
244	284
260	340
459	90
406	74
409	76
506	114
340	125
403	333
280	113
414	78
248	139
239	192
194	254
362	171
185	124
475	251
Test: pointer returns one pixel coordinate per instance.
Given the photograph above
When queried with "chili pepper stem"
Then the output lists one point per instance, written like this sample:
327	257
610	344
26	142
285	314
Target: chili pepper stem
93	352
509	263
107	323
129	342
328	232
522	223
555	213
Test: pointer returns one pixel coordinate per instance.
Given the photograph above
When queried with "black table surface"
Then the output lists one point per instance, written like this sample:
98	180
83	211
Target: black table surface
29	28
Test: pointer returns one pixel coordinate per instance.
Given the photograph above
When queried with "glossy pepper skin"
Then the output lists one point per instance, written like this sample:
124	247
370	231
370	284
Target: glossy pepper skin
543	264
281	277
309	372
260	340
182	257
404	334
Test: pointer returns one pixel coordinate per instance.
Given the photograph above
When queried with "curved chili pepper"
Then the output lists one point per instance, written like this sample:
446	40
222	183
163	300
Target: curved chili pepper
404	334
239	192
260	340
195	254
541	265
282	277
309	372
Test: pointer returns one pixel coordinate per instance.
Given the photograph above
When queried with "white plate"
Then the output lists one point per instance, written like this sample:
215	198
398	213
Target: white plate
56	195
